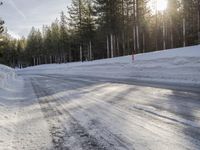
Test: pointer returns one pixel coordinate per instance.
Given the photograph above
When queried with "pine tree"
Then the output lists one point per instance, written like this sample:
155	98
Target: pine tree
108	13
76	16
80	22
56	46
88	29
34	46
64	39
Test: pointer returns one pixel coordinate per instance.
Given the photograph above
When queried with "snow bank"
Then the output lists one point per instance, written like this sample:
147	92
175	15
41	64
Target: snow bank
7	74
22	125
181	65
192	51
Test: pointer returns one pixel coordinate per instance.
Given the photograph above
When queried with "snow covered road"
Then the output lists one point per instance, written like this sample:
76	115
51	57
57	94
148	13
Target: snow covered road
111	104
97	113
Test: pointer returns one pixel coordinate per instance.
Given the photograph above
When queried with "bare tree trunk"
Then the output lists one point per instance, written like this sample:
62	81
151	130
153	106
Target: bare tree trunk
134	40
81	53
156	25
137	24
184	33
50	59
45	57
138	38
90	50
134	26
111	39
108	50
123	44
70	55
118	53
171	36
143	41
123	31
198	24
39	60
13	62
64	58
128	45
34	61
114	46
164	37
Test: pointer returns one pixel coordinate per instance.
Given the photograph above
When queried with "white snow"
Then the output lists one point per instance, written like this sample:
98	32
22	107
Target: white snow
18	107
142	117
133	116
181	65
7	74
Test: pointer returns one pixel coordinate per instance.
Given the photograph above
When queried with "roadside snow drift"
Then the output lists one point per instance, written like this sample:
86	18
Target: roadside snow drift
16	118
7	74
181	65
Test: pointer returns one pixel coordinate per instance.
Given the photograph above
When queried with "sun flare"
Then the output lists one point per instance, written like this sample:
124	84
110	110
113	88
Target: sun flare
162	5
158	5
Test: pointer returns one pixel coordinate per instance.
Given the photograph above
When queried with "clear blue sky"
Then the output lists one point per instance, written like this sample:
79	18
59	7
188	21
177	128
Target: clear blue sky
21	15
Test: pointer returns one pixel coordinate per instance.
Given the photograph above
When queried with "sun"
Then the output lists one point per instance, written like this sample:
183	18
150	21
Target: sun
158	5
162	5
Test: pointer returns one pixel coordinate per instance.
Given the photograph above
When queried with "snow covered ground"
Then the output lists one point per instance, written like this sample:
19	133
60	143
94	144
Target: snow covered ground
99	105
18	129
180	65
88	113
7	75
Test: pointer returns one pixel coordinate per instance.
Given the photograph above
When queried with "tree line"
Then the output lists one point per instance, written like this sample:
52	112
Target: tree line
96	29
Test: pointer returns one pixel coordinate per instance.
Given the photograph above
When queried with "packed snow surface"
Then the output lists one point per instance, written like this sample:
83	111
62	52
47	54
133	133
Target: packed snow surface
181	65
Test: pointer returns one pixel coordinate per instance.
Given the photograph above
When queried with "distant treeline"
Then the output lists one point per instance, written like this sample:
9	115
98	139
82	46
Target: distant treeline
96	29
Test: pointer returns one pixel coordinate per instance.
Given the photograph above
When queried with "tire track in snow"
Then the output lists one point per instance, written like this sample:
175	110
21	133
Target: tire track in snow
122	110
60	133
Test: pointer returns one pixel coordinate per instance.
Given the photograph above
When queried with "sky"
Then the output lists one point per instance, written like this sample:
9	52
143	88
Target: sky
21	15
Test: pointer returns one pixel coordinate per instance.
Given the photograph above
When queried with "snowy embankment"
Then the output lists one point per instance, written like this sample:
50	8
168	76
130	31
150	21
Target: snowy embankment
7	74
9	94
181	65
16	117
